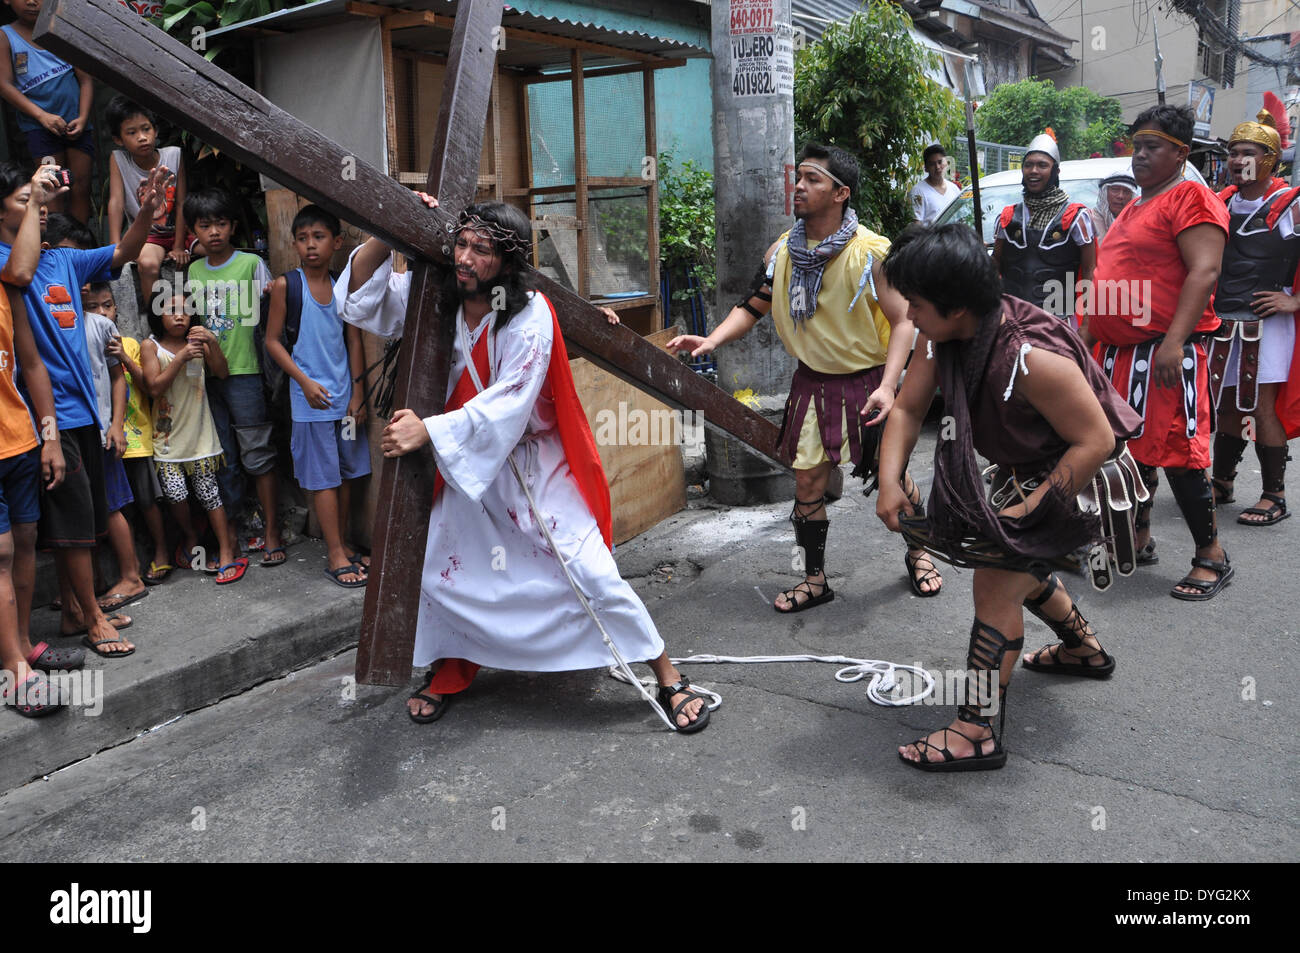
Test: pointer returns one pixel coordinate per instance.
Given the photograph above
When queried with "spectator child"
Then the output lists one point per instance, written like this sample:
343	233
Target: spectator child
53	103
73	513
137	459
226	287
136	132
63	231
25	466
186	448
323	360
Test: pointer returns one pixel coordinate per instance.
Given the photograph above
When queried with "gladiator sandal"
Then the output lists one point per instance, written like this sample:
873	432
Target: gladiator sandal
913	494
1146	556
1228	451
1072	631
1272	465
810	535
988	646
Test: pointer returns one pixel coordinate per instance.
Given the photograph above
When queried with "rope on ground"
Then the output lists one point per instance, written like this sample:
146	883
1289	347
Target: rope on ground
883	674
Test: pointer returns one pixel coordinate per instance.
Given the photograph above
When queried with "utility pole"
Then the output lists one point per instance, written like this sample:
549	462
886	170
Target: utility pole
753	149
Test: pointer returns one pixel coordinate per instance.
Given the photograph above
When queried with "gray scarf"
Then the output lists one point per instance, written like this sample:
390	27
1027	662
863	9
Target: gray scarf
807	264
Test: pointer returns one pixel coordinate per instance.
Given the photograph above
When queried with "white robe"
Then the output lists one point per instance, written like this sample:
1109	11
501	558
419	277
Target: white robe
492	591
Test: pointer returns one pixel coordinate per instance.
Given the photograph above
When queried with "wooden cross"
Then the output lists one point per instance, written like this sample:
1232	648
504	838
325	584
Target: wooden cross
137	59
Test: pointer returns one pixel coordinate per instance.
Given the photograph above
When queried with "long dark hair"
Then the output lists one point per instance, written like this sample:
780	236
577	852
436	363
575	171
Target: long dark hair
511	232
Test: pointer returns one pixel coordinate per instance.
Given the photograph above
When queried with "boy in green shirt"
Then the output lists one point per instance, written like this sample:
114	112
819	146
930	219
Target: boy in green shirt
225	288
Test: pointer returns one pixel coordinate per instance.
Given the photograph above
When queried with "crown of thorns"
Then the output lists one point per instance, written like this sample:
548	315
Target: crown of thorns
506	239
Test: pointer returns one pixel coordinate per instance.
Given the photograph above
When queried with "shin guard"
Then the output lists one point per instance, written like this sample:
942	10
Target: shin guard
1228	451
1191	489
811	537
1272	465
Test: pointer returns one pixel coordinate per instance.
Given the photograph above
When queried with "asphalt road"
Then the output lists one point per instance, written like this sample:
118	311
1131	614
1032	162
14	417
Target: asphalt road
1187	754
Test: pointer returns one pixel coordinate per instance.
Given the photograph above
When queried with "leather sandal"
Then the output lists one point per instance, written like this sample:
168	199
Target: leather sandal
439	707
805	588
1273	514
987	648
1072	631
666	693
910	562
1207	590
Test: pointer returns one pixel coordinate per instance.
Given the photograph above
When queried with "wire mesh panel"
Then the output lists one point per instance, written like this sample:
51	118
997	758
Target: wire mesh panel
992	157
550	127
617	223
615	125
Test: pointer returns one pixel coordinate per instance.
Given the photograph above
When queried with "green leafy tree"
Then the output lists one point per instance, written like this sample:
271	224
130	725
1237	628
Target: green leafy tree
1084	122
687	241
863	87
187	20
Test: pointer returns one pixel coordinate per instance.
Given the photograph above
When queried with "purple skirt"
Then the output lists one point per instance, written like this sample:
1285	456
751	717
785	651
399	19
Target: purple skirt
830	395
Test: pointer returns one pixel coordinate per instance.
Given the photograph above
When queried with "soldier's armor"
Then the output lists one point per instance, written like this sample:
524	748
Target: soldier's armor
1027	266
1256	258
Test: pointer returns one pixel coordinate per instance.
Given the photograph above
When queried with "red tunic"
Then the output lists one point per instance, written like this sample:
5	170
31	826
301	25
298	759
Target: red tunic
1139	276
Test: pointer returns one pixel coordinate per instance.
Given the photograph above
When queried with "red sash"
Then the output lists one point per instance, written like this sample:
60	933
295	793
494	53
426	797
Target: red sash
580	452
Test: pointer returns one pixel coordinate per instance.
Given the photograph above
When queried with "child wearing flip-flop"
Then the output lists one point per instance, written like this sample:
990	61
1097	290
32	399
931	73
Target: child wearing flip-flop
186	449
324	363
137	459
25	464
64	231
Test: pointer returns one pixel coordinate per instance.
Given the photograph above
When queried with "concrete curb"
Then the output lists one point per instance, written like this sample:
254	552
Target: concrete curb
196	644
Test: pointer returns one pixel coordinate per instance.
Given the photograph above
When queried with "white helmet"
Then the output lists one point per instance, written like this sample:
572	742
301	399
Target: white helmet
1046	144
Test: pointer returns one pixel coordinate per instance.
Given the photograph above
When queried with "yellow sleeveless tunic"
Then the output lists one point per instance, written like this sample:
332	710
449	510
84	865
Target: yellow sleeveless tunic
835	340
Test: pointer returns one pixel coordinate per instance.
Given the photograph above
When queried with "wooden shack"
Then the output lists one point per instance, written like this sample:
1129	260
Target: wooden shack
593	201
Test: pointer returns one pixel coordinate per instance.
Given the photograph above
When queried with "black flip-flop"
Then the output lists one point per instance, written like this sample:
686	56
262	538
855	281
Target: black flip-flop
273	562
353	568
121	602
91	644
83	631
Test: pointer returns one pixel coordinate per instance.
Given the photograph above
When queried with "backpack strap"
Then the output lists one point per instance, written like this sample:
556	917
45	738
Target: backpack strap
292	307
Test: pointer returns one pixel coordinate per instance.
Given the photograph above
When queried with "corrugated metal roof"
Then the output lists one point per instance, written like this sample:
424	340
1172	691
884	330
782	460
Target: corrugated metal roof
519	53
814	16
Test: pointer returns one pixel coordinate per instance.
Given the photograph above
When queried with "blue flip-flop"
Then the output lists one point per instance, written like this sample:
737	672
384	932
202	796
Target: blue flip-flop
353	568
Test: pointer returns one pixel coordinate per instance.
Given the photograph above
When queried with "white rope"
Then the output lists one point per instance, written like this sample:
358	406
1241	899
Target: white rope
883	674
1018	364
620	666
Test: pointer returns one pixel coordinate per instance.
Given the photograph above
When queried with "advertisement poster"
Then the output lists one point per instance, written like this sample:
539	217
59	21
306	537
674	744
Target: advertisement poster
762	51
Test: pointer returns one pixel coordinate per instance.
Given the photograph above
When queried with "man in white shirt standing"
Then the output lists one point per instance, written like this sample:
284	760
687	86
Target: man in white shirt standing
934	193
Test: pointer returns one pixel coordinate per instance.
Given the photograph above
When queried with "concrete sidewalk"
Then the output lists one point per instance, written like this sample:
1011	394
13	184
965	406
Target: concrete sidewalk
196	643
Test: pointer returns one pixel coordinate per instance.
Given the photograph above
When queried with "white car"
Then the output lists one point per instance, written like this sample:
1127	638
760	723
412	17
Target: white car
1080	178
